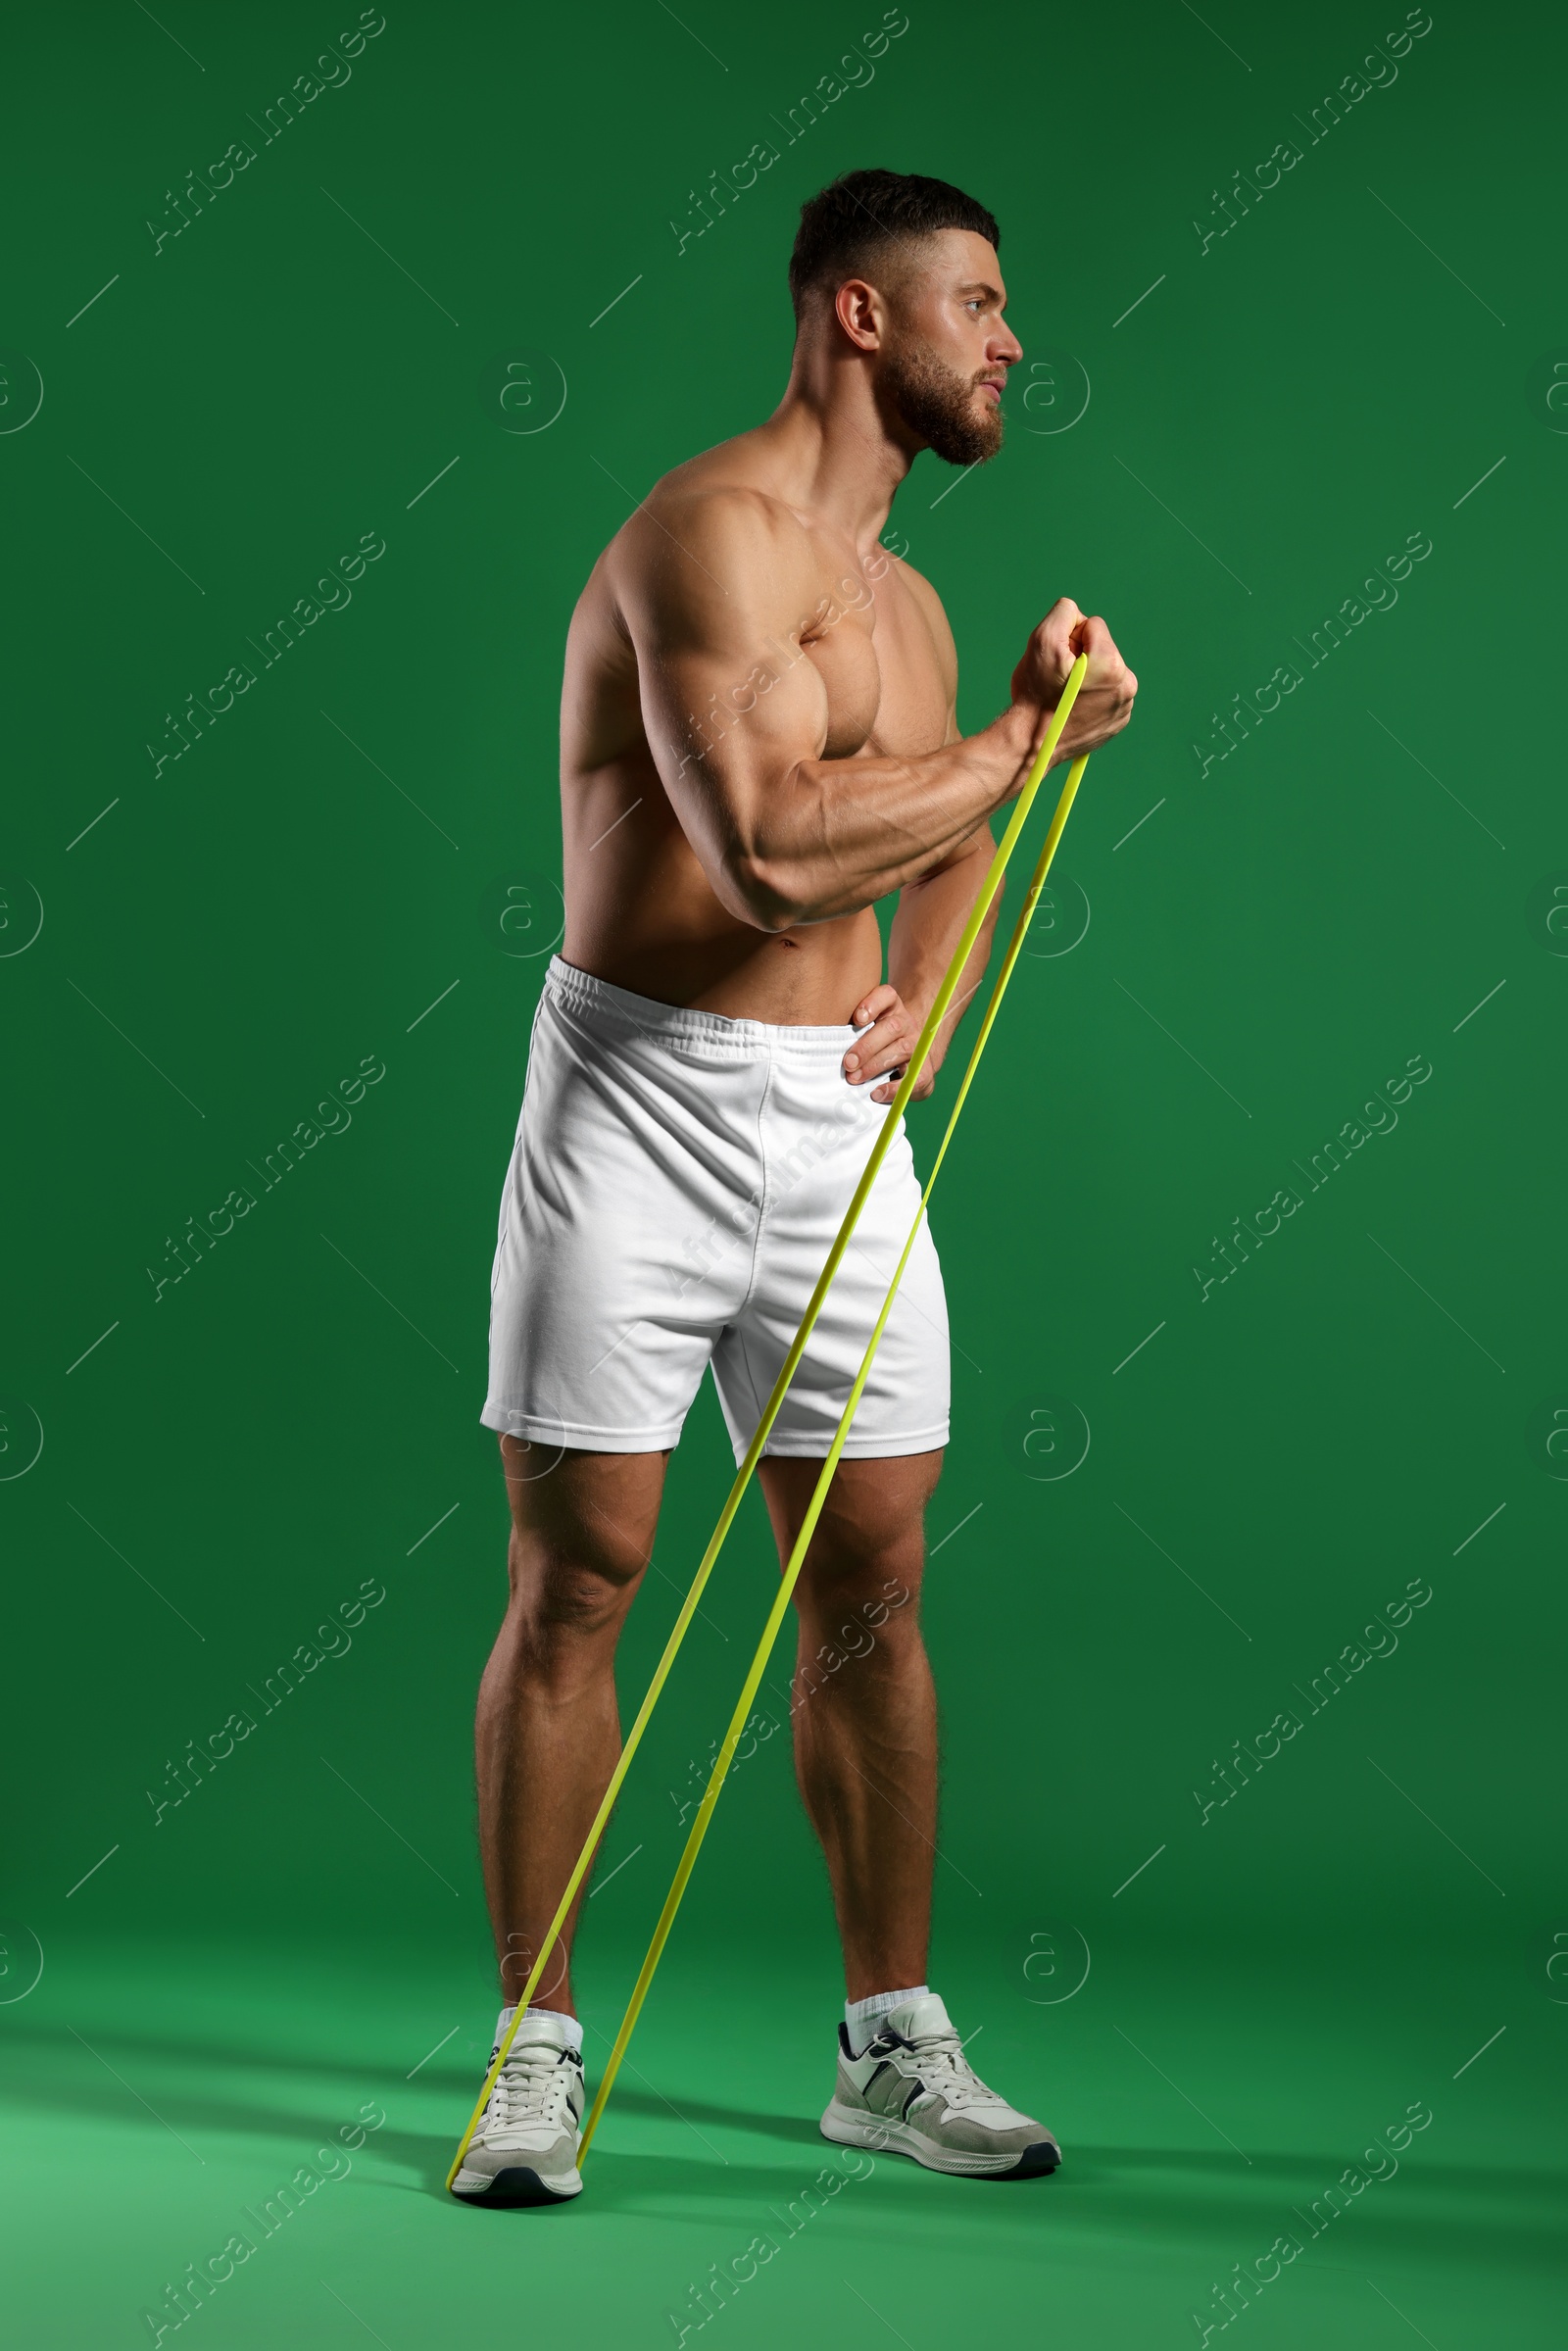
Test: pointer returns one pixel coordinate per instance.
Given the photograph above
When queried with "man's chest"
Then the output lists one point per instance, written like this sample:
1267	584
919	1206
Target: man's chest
874	650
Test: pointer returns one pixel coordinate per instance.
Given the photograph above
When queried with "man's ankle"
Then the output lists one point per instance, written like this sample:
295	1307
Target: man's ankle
563	2014
861	2017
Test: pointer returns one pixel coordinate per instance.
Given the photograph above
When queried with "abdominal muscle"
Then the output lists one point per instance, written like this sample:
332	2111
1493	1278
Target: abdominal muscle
641	915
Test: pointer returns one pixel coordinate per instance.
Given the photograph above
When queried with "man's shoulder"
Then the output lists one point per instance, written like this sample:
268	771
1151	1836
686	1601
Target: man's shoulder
925	598
918	585
707	521
712	496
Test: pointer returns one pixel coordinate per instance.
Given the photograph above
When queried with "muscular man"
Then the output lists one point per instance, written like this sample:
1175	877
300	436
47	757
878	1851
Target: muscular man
759	742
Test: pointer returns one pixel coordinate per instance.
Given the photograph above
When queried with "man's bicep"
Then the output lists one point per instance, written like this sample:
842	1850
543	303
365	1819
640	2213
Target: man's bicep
745	708
730	704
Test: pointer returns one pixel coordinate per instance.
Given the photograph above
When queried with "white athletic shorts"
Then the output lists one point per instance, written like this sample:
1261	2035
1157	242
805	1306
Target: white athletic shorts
678	1181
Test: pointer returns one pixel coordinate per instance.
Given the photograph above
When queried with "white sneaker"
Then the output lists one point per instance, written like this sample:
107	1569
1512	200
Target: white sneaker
912	2092
525	2150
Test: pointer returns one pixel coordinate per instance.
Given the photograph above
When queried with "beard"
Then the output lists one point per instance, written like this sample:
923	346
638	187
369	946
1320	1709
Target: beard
938	403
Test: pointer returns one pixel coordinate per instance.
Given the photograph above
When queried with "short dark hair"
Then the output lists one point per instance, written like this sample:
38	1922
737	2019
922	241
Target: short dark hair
842	227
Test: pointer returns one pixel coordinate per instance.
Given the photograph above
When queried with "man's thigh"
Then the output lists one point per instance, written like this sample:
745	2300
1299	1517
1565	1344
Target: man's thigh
871	1527
623	1242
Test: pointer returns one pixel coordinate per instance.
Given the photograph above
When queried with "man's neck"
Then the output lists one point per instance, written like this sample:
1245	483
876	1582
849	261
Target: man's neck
835	455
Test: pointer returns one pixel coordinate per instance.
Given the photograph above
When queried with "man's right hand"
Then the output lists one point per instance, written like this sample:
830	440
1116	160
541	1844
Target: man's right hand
1105	701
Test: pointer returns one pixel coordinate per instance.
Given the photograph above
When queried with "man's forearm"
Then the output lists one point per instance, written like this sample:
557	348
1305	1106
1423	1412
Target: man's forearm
836	835
926	930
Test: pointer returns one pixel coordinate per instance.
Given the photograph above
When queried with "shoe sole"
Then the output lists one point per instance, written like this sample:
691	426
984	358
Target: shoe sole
516	2188
848	2129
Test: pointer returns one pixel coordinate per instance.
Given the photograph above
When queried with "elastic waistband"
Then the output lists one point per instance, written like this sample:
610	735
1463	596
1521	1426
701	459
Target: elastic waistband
583	993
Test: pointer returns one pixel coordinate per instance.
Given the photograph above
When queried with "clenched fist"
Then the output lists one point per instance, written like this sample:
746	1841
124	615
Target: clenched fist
1105	701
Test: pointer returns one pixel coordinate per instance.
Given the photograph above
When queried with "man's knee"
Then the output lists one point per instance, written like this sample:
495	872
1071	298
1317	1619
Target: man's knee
860	1602
569	1592
581	1536
577	1585
857	1640
566	1599
584	1578
859	1547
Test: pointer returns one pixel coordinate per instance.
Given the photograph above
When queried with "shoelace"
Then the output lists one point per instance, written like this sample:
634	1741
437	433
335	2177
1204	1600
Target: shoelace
532	2086
944	2068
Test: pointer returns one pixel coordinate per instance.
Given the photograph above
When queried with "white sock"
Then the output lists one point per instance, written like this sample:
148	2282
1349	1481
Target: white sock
559	2015
861	2015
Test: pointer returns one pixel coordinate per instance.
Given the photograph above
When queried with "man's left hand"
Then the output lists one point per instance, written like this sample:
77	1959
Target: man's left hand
883	1051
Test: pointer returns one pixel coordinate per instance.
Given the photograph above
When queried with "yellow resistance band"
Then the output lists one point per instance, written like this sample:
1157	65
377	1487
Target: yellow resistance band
753	1452
791	1575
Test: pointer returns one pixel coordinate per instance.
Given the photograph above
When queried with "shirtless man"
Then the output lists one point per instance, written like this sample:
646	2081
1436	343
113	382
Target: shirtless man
759	742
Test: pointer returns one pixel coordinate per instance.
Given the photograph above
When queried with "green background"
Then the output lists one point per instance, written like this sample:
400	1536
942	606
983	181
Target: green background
1364	1402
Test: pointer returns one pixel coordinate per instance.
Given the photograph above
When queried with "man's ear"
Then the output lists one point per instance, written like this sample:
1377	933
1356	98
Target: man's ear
858	310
